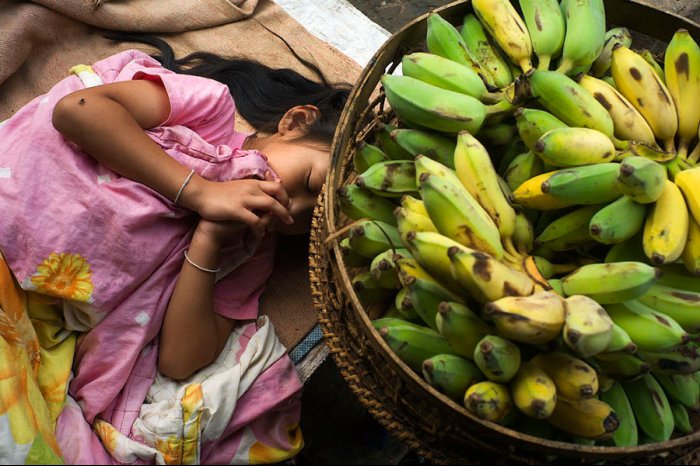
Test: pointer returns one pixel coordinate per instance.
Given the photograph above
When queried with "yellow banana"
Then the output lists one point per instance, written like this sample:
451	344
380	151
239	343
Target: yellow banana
613	37
533	319
629	124
688	182
574	378
666	226
682	71
587	328
531	196
590	418
477	173
691	252
489	400
507	28
533	391
484	52
638	82
571	147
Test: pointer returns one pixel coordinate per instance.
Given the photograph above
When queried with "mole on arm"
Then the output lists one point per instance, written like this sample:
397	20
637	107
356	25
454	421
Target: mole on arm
81	102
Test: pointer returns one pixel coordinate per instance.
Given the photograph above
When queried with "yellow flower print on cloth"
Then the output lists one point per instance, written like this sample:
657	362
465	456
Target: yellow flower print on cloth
64	275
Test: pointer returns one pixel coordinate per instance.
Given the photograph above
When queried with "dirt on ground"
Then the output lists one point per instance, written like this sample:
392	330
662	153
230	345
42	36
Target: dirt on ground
393	14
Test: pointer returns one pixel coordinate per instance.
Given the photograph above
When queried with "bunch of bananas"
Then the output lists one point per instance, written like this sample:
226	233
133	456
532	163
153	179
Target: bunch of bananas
526	224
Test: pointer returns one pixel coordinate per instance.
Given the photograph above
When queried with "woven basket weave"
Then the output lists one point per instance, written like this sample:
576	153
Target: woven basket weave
437	428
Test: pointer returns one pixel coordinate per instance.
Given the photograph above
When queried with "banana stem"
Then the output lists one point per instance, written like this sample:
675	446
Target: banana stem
694	156
673	168
670	145
544	62
683	149
493	97
503	106
565	66
619	144
560	269
525	65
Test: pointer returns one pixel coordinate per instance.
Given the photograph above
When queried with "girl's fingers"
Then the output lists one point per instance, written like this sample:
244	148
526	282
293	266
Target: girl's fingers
247	217
270	204
275	190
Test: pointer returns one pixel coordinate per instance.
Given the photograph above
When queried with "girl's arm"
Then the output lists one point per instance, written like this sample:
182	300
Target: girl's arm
193	334
108	123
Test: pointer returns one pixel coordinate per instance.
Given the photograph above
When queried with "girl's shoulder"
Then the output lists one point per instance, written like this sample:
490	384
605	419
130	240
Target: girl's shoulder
115	66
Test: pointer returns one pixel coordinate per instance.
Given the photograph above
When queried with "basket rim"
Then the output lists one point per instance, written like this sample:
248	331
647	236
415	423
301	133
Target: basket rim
327	203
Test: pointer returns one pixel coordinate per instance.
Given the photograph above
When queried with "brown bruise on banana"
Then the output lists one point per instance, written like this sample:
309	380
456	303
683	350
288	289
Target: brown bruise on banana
482	266
603	100
662	320
635	73
683	65
538	20
389	178
689	297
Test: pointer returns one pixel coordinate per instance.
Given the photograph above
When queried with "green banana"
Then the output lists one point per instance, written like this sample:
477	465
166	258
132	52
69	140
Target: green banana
586	185
630	250
367	155
676	276
524	234
350	257
408	221
651	59
614	36
621	365
533	391
358	203
412	343
620	341
485	278
533	319
392	178
626	435
585	34
532	124
555	283
457	215
430	251
568	101
451	375
681	419
476	172
523	167
372	237
404	305
489	400
568	231
383	268
682	388
425	292
618	221
432	107
571	147
681	305
651	407
641	179
629	124
498	134
587	327
484	52
497	358
505	26
611	283
443	39
682	359
649	329
547	27
447	74
461	328
682	73
418	142
574	378
589	418
368	290
390	148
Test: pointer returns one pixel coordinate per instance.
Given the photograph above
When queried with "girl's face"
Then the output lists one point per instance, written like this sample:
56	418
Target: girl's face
302	166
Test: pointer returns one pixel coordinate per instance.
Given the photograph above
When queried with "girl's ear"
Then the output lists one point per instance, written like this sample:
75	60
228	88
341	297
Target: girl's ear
297	120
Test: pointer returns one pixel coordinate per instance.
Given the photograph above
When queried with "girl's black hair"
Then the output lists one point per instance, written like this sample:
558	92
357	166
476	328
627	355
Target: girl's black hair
262	94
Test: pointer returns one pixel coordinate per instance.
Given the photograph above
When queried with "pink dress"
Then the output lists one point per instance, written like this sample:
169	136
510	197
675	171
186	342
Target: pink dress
111	249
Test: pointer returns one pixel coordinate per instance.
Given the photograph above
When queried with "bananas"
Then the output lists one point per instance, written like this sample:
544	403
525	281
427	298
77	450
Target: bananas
638	82
611	283
585	34
533	319
682	73
540	269
500	18
666	226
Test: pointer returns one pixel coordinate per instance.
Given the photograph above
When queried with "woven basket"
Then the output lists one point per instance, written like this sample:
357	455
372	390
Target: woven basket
437	428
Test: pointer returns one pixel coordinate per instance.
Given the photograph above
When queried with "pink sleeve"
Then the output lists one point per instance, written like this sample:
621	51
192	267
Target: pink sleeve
201	104
237	295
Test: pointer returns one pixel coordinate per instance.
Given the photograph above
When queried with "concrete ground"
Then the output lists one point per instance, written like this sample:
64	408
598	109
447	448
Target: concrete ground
336	427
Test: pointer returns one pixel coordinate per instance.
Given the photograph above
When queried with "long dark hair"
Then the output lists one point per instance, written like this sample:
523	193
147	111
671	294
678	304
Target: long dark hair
262	94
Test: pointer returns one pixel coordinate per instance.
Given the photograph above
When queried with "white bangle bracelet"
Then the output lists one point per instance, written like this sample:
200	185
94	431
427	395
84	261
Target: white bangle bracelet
182	188
203	269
